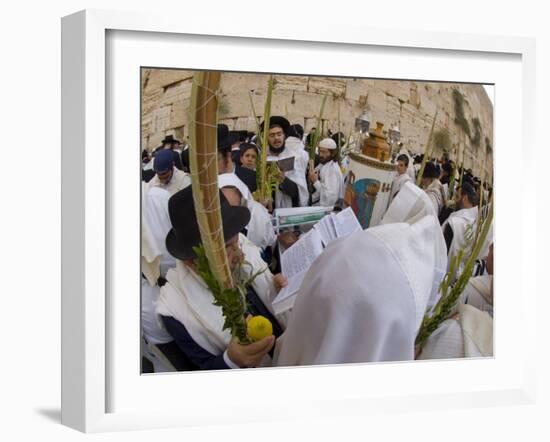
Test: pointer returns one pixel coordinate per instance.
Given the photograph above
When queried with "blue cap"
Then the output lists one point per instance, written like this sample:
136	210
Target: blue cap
164	160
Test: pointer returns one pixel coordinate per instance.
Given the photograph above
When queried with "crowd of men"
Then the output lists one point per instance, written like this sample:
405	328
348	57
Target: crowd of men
364	297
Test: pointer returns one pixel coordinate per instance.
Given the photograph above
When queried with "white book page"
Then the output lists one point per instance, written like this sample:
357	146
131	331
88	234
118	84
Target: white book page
296	261
326	229
346	223
301	254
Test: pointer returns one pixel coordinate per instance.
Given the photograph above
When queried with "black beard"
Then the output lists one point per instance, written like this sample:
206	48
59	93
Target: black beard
277	150
325	161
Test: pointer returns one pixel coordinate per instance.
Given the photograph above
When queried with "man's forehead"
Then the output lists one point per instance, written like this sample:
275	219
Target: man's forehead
275	129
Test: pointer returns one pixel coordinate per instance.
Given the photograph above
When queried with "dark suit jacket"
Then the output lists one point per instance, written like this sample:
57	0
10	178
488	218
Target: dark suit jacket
147	175
200	358
247	176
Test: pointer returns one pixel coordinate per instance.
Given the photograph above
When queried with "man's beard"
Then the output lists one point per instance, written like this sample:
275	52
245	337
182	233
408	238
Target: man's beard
277	150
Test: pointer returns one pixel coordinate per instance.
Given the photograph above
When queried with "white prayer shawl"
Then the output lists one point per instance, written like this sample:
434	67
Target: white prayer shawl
329	188
398	183
149	165
437	194
180	180
155	225
459	222
298	174
260	228
410	167
479	293
152	331
155	259
187	299
470	336
358	306
410	205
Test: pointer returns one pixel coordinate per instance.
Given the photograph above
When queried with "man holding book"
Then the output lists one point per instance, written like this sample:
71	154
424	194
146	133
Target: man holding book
292	187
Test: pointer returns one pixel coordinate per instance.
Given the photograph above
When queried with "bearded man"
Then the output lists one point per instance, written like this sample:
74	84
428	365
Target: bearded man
327	178
292	187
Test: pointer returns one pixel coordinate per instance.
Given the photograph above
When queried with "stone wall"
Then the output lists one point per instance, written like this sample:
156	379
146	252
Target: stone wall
409	104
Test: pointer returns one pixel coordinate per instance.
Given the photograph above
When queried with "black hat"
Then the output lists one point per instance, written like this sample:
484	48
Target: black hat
233	137
339	138
185	233
296	130
169	139
430	170
224	141
278	121
447	167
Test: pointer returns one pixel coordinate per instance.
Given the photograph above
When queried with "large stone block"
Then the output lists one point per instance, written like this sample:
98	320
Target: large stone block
176	92
163	78
179	115
244	83
355	89
161	119
291	83
331	86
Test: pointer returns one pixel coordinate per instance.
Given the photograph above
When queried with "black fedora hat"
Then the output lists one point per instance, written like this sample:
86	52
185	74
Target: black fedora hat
224	141
278	121
169	139
185	233
430	170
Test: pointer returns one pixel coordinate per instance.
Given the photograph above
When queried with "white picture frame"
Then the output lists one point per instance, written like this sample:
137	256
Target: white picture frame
89	316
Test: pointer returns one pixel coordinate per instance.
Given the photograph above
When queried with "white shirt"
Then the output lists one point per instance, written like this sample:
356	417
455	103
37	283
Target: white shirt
329	188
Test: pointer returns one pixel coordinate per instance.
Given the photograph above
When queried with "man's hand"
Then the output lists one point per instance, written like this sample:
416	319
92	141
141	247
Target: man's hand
249	355
313	176
279	281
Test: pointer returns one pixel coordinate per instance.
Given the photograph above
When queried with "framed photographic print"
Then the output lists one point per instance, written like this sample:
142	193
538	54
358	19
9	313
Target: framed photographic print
130	84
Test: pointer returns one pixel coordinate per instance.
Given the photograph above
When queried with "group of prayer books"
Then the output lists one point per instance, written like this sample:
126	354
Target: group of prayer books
297	259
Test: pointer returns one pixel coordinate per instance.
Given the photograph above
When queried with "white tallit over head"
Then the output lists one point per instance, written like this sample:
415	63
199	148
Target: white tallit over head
232	180
364	297
410	205
155	225
260	228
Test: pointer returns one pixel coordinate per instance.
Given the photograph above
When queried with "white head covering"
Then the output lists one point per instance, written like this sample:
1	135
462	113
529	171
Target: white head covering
260	228
230	179
155	225
410	205
364	298
328	143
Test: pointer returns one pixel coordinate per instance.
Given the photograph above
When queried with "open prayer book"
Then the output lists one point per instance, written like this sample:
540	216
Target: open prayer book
285	164
297	259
